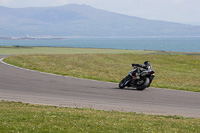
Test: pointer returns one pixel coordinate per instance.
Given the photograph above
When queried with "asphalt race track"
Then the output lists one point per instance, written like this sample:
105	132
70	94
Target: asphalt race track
40	88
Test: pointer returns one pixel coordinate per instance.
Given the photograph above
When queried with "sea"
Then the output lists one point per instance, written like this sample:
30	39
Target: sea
178	44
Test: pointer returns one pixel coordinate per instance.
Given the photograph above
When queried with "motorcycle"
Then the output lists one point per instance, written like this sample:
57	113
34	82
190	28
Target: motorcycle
138	78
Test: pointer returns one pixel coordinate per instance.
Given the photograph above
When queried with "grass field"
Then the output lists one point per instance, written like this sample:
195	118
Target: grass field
19	117
173	71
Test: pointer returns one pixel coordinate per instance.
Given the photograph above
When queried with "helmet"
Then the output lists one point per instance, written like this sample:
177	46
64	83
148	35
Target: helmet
147	63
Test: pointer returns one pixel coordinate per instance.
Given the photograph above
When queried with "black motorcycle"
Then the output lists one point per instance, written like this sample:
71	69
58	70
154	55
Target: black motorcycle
138	78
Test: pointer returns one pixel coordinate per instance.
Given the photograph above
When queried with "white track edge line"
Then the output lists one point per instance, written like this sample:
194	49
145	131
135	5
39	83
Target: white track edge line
1	60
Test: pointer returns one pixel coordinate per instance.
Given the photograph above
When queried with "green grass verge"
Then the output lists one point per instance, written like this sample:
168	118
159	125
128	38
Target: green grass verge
4	50
19	117
173	71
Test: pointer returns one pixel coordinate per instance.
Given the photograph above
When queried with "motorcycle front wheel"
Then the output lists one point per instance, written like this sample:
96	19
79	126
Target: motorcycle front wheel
124	82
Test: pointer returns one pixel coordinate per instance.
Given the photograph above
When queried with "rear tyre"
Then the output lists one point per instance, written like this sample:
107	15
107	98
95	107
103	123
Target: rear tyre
144	85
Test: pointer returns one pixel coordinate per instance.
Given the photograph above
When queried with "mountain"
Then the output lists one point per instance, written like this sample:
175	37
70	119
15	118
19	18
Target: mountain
85	21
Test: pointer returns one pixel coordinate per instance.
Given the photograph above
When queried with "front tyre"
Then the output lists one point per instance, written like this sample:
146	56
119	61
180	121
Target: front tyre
144	85
124	82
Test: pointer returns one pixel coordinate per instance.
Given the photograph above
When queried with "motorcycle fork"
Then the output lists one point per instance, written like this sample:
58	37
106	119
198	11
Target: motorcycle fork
133	78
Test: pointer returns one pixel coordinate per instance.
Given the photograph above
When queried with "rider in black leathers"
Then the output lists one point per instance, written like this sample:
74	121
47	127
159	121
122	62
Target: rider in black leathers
146	66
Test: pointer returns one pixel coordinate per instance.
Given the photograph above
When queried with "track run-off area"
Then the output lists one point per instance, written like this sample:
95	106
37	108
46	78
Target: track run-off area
22	85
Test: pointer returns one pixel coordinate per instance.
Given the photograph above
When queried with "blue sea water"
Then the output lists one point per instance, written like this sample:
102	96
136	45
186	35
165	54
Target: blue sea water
181	44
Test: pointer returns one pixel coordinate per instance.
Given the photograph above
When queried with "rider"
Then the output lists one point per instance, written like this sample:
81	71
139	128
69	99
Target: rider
146	66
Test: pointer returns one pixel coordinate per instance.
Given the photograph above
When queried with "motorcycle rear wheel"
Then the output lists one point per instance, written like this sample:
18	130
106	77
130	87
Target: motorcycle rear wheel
144	85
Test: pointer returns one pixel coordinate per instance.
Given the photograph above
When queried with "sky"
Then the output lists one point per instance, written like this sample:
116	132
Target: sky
181	11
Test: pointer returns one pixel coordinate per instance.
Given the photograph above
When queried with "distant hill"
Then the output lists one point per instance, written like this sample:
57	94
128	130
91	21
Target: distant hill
85	21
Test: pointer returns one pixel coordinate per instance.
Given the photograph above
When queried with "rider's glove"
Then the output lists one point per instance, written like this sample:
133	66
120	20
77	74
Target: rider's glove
135	65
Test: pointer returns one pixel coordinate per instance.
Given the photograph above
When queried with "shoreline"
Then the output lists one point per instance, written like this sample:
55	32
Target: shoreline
85	37
161	51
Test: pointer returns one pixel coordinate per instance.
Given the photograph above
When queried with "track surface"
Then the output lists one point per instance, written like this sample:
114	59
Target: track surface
39	88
